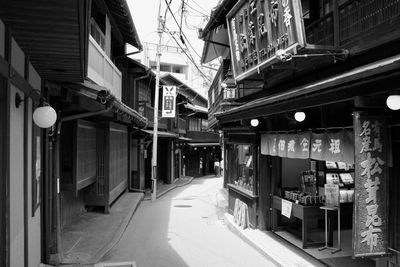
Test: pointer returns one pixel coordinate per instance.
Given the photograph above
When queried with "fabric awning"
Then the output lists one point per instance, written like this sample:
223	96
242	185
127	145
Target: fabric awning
161	133
203	144
337	146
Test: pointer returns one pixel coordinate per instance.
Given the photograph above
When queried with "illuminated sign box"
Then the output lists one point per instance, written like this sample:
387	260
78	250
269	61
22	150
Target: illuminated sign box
259	29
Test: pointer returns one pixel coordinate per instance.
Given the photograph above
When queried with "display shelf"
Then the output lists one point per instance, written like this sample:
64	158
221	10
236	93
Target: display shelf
242	191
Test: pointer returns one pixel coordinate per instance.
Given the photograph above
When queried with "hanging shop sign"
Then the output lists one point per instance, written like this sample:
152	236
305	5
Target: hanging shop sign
370	231
168	101
327	146
261	30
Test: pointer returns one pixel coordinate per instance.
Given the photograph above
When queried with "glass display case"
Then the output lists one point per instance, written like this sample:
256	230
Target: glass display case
245	177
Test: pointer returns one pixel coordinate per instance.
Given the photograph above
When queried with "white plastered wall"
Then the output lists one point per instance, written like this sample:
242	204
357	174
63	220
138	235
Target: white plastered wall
34	236
17	117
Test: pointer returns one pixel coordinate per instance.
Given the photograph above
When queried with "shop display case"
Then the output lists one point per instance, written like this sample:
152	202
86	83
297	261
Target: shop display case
342	174
242	183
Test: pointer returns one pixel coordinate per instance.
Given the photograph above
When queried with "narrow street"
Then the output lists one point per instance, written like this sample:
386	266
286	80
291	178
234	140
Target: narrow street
185	227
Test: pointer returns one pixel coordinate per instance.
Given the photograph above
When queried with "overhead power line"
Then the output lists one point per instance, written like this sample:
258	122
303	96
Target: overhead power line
180	28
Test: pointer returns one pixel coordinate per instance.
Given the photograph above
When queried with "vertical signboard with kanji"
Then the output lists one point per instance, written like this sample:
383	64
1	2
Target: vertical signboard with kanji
168	101
258	29
370	225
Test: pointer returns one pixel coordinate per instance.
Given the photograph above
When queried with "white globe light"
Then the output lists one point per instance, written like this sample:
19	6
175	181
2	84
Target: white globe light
45	116
299	116
254	122
393	102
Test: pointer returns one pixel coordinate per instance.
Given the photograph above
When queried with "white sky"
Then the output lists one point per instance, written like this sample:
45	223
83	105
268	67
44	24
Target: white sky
145	12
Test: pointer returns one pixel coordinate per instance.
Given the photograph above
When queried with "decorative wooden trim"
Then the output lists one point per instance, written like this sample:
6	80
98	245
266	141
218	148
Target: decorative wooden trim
8	46
25	164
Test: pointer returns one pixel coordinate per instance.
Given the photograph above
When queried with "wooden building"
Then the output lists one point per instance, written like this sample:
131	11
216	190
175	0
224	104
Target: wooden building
334	62
62	53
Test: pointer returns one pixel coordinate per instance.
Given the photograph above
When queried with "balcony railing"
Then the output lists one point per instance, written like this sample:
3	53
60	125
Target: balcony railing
356	19
102	71
148	112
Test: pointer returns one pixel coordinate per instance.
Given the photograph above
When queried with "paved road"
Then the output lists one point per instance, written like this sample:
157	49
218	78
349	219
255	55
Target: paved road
185	228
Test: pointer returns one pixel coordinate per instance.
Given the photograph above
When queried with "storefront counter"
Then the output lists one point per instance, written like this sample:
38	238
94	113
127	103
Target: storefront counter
304	213
236	192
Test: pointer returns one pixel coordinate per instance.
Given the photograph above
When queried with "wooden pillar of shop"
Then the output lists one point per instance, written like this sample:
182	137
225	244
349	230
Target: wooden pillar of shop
265	193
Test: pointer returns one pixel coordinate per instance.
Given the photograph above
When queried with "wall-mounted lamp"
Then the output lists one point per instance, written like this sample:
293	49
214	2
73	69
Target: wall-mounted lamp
44	115
393	102
300	116
254	122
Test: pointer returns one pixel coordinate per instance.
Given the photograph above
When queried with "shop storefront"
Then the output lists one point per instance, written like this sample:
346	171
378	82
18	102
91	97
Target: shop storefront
310	163
241	153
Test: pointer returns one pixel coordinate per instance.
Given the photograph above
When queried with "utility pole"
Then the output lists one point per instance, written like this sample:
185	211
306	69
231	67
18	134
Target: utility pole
160	28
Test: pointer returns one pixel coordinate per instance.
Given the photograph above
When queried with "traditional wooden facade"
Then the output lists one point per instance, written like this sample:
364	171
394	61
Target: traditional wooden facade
337	60
81	160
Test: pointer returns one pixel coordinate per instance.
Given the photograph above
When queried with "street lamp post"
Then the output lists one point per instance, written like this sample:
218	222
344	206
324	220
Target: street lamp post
156	96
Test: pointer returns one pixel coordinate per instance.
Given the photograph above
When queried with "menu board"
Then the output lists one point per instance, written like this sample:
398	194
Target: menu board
331	195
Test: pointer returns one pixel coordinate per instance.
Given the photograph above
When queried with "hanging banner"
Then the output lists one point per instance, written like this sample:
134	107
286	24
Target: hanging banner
269	144
259	29
370	231
333	146
327	146
318	146
168	102
303	151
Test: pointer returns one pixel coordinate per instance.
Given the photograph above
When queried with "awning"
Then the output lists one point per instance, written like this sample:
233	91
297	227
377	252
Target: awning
216	43
161	133
102	95
52	33
203	144
317	93
184	138
196	108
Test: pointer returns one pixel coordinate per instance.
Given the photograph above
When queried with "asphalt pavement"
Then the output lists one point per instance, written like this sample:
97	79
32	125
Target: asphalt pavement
186	227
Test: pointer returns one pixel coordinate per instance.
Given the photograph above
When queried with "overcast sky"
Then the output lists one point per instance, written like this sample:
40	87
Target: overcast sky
145	12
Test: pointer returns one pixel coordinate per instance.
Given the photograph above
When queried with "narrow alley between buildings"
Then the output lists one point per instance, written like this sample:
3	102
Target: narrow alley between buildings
185	227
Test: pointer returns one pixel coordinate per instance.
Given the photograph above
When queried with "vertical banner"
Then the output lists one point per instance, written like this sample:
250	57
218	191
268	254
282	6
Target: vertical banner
168	102
370	224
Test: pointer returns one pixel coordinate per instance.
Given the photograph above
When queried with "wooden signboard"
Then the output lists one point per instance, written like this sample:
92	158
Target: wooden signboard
259	29
370	223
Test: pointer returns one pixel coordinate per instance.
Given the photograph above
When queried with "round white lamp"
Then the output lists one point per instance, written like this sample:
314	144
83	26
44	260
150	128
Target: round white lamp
254	122
393	102
299	116
44	116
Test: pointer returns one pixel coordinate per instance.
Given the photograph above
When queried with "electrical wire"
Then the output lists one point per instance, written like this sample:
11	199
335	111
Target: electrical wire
190	58
194	2
183	34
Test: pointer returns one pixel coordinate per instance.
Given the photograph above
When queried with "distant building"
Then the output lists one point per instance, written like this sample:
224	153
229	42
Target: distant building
173	61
